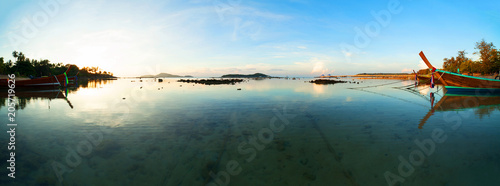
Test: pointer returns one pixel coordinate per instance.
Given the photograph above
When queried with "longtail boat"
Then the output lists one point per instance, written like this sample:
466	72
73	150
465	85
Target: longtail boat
56	80
454	82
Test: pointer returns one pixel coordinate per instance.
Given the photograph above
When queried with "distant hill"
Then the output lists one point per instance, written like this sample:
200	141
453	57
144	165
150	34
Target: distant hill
163	75
256	75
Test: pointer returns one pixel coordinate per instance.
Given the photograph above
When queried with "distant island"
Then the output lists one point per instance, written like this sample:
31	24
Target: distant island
256	75
163	75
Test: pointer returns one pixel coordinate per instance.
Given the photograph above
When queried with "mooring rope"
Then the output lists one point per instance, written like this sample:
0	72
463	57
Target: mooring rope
376	85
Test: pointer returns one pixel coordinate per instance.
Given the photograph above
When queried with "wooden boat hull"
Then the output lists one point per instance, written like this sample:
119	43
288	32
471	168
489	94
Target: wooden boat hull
39	82
425	79
463	83
57	80
454	82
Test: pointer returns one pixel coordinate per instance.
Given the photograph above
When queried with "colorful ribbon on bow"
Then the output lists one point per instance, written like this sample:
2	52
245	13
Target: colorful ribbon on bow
432	77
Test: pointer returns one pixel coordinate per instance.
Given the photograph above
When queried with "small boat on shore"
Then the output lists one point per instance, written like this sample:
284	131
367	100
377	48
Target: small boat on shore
55	80
456	83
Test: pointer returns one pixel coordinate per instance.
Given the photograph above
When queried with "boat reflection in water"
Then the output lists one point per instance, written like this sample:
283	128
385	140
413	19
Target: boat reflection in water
483	104
25	95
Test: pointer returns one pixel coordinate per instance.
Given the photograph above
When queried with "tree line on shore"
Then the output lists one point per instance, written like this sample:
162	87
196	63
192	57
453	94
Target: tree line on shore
488	62
23	66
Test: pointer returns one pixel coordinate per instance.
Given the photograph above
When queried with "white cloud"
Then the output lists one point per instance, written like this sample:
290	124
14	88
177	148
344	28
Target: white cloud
318	67
406	70
422	65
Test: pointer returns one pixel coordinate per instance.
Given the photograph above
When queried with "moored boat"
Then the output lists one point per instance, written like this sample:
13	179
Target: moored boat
55	80
454	82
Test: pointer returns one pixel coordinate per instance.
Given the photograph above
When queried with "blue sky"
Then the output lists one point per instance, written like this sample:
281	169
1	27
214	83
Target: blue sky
216	37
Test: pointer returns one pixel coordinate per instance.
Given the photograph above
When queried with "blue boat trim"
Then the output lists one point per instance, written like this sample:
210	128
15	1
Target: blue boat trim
469	90
470	94
472	77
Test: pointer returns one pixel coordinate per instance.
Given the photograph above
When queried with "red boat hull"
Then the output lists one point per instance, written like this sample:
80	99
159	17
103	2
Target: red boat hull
58	80
44	81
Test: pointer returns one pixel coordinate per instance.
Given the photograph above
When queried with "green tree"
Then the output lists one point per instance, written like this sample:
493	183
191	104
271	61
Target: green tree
3	69
463	61
23	65
450	64
8	66
455	63
44	68
495	60
488	56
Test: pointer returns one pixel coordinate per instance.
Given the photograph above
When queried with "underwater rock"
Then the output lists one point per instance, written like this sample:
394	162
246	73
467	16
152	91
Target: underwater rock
280	145
108	148
246	133
138	157
45	181
304	161
205	172
309	176
135	167
152	149
212	81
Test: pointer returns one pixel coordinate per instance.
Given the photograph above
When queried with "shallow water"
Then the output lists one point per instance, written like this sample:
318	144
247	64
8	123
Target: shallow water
272	132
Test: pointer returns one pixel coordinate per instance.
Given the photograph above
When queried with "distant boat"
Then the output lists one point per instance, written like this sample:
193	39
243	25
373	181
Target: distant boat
454	82
55	80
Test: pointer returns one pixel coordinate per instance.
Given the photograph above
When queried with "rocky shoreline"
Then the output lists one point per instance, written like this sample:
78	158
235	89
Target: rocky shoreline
211	81
326	81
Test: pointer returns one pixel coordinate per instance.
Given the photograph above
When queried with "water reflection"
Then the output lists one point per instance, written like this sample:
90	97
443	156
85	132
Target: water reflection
439	100
341	134
25	96
481	105
93	83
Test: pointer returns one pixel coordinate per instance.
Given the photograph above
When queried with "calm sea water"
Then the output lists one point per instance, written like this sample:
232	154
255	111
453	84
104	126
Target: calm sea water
272	132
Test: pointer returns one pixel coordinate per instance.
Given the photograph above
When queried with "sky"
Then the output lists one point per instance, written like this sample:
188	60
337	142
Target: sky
216	37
